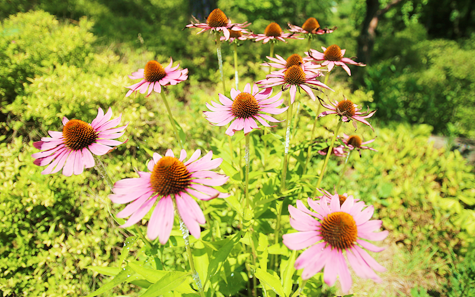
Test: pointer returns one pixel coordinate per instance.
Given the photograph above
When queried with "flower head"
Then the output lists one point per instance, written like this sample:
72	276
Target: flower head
71	149
234	36
335	227
332	56
244	108
292	60
218	21
294	77
171	180
273	32
311	26
347	110
154	76
356	142
337	151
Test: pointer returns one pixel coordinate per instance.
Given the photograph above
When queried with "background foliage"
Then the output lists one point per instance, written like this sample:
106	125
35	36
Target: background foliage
55	62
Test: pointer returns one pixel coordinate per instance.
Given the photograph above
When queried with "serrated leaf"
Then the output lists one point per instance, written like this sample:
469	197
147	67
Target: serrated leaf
170	281
272	281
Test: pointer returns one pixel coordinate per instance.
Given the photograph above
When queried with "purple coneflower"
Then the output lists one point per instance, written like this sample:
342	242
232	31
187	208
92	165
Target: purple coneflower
244	108
332	56
334	229
218	21
311	26
347	110
274	32
170	181
72	149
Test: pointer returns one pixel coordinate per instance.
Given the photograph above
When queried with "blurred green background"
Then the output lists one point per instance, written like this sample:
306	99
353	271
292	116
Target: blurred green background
67	58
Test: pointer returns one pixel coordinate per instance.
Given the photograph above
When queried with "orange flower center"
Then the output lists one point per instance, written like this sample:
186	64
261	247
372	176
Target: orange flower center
310	25
355	141
273	29
78	135
154	72
294	59
342	199
339	230
169	176
294	75
346	108
235	34
217	18
333	53
245	106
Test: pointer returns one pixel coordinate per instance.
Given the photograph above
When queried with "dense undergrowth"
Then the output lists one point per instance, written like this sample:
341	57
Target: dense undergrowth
53	227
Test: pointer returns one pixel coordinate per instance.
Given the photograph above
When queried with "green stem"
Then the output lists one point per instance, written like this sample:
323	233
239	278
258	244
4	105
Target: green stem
236	76
103	172
248	164
326	78
271	54
309	43
277	231
309	151
330	150
287	144
145	240
186	235
299	291
343	170
220	60
172	120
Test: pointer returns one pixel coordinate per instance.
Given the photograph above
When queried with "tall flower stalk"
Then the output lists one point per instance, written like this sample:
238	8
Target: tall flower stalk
172	120
342	173
236	76
220	59
330	150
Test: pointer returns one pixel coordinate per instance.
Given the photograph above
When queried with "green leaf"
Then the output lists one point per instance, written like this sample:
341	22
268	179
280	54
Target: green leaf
222	255
288	273
126	275
170	281
111	271
149	274
129	241
181	133
270	280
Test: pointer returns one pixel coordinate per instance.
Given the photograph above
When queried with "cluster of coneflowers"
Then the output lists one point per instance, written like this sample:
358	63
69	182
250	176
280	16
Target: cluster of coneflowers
329	226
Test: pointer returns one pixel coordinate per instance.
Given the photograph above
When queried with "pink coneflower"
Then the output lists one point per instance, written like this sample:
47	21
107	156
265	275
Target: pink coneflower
218	21
294	59
337	151
347	110
71	149
234	36
274	32
292	78
355	142
155	76
170	180
332	56
311	26
332	229
244	108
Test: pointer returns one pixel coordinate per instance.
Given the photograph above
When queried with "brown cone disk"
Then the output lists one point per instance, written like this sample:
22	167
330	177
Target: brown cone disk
342	199
346	108
294	59
78	134
355	141
217	18
339	230
273	29
245	106
154	72
169	176
294	75
333	53
235	34
310	25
